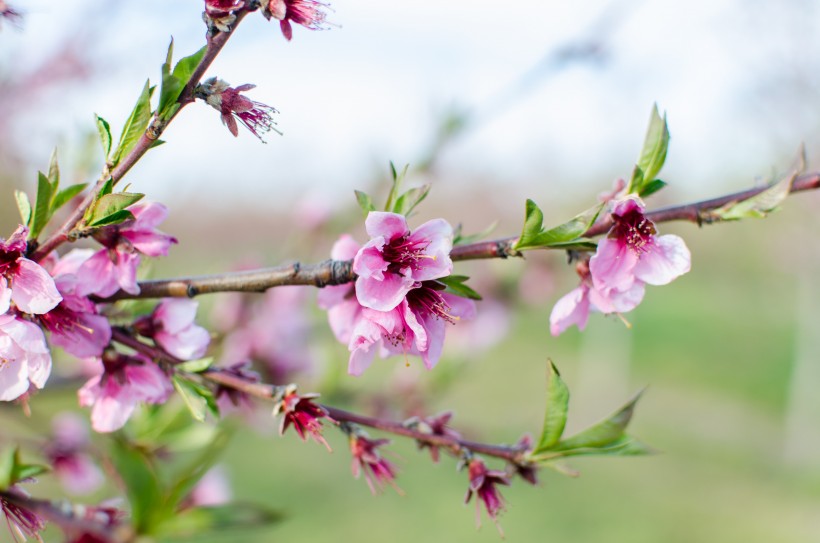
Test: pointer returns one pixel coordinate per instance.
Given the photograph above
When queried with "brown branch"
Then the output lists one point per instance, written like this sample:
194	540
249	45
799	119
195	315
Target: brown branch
336	272
146	141
267	392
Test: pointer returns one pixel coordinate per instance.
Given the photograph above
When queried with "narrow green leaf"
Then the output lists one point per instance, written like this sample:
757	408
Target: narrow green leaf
23	205
142	485
111	204
186	65
625	445
26	471
65	195
408	201
8	460
105	135
198	399
42	206
136	124
118	217
604	433
195	366
534	236
365	202
756	207
651	188
456	285
54	172
398	179
555	418
655	146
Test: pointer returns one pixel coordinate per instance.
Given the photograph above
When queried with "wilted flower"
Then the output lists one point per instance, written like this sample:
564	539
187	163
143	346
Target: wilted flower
396	259
256	116
483	483
220	13
436	425
24	357
23	281
115	266
123	382
377	470
172	326
303	414
302	12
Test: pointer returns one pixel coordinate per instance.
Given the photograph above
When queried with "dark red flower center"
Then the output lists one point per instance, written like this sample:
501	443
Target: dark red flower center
634	229
402	252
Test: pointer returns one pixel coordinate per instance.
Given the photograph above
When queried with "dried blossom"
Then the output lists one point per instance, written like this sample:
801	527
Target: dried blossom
307	13
303	414
255	116
378	472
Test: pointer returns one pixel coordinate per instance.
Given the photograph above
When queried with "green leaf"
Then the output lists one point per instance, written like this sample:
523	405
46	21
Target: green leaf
64	196
187	65
42	206
758	206
203	521
408	201
623	446
118	217
398	179
460	239
195	366
578	244
23	205
198	399
54	172
105	135
26	471
653	154
651	188
173	83
110	207
534	236
8	460
456	285
365	202
604	433
136	468
136	124
555	418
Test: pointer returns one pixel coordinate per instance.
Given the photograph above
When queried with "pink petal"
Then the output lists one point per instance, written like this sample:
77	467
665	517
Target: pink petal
126	272
439	234
97	275
630	203
175	314
5	295
148	383
150	243
416	325
78	474
612	265
383	295
33	289
369	262
386	225
461	307
366	333
667	259
188	344
572	308
334	295
345	248
14	373
147	215
342	318
112	410
435	329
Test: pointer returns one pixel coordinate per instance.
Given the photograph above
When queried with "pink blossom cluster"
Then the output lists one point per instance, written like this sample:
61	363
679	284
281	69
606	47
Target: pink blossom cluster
630	257
396	305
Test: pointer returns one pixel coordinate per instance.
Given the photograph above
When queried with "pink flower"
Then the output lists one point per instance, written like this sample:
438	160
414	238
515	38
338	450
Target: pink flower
483	484
23	281
255	116
24	357
396	259
631	256
172	326
123	382
21	521
75	469
632	252
303	414
378	472
302	12
416	327
115	267
212	490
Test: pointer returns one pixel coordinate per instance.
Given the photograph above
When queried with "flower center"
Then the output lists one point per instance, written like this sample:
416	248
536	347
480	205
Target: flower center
428	299
634	229
401	253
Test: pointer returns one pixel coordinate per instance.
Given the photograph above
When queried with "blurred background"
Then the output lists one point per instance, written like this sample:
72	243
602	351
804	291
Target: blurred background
542	100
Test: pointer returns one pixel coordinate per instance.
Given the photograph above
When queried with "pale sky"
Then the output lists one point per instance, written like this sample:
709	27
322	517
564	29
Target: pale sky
738	79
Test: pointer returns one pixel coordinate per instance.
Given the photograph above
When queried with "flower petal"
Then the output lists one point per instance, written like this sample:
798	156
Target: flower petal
176	314
667	259
369	261
386	225
383	295
345	248
33	289
572	308
612	265
5	296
